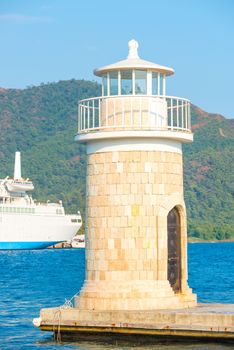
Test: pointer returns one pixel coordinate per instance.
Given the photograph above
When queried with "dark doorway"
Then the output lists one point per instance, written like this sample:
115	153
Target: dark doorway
174	253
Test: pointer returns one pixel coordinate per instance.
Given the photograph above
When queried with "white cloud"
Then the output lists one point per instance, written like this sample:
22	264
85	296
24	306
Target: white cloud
19	18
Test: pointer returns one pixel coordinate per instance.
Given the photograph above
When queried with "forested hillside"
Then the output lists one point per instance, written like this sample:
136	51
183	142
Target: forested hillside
209	176
41	122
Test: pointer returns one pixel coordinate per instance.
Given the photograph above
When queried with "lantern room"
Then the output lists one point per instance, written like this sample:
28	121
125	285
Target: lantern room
133	76
134	99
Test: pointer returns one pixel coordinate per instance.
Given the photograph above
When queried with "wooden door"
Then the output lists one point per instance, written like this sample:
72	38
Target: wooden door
174	252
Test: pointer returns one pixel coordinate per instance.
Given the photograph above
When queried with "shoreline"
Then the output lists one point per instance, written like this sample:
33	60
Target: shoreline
194	240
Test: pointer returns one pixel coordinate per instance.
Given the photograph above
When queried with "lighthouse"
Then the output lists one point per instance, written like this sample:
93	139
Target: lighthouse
136	238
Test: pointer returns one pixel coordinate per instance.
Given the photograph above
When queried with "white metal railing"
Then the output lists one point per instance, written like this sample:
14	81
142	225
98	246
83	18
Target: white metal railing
134	112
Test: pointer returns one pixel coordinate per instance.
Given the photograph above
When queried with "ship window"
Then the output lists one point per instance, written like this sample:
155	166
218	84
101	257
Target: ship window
140	82
126	82
74	220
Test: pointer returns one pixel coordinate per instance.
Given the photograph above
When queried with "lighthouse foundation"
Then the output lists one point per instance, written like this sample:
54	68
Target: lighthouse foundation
212	322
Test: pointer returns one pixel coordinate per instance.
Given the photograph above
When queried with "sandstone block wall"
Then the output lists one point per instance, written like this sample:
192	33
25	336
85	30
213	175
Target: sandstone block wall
124	190
126	248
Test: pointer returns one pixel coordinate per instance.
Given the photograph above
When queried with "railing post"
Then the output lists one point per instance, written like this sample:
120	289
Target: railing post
99	112
84	113
171	113
106	112
131	113
122	102
88	113
114	113
140	111
79	110
177	113
93	113
157	119
182	114
189	116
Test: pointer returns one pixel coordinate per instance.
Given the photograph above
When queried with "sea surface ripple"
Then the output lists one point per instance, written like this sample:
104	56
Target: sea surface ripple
31	280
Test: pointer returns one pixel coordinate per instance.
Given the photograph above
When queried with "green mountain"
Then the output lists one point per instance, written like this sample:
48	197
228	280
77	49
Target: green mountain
208	176
41	122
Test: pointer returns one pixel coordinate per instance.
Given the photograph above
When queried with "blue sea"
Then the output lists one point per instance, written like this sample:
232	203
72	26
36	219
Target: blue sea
31	280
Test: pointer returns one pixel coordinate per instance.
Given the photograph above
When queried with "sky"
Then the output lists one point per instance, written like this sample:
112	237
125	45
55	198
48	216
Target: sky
50	40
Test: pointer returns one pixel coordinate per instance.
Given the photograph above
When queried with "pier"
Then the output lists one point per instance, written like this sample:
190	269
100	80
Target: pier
205	321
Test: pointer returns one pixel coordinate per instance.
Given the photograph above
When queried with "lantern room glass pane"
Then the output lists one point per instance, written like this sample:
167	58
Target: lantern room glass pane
154	83
113	83
104	85
161	84
126	82
140	82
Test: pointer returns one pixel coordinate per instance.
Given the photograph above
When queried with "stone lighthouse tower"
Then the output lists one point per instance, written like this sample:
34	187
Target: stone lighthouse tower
136	238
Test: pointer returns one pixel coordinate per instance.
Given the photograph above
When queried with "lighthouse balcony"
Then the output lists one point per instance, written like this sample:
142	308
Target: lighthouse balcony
156	115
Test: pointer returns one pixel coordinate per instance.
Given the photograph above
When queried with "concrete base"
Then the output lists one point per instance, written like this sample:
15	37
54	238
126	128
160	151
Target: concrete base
204	321
132	295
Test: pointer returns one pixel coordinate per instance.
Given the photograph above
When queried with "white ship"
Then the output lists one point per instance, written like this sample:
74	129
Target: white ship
27	224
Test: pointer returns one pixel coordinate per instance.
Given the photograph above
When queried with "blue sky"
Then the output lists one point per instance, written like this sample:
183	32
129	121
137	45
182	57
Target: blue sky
52	40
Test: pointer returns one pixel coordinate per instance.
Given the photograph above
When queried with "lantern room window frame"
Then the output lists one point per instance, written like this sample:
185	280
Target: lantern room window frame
154	84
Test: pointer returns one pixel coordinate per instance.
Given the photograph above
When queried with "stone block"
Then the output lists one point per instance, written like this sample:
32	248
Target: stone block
135	210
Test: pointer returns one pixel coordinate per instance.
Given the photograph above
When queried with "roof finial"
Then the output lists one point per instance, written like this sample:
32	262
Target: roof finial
133	46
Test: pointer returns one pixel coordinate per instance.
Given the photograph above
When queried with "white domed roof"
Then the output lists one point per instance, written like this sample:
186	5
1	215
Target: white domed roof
134	62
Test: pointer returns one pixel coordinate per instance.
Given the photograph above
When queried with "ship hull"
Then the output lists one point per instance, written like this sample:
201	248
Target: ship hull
36	231
25	245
